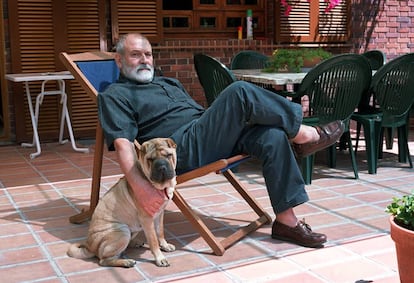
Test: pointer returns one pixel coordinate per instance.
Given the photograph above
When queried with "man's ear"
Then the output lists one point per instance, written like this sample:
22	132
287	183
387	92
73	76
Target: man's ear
117	58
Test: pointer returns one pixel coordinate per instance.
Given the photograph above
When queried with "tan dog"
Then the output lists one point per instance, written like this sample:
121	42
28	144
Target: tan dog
117	220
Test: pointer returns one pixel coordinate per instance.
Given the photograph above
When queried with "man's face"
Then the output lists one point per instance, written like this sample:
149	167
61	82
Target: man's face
137	61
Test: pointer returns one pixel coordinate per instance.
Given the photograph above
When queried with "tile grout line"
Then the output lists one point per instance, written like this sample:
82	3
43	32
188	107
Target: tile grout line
49	257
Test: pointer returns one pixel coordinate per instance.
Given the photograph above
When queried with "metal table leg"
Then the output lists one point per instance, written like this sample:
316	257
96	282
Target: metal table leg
65	116
35	141
34	114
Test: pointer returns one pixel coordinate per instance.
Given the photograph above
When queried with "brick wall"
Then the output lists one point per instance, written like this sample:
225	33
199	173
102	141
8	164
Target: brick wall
386	25
175	58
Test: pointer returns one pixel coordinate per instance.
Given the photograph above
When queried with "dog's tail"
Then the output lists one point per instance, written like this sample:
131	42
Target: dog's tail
79	251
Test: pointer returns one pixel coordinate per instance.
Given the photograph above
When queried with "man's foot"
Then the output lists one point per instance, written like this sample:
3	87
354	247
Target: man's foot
301	234
328	135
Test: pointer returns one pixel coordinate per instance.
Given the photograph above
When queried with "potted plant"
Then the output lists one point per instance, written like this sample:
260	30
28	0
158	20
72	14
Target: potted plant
295	59
402	233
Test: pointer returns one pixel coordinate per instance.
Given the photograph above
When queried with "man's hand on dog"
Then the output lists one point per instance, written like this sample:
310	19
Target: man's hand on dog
150	200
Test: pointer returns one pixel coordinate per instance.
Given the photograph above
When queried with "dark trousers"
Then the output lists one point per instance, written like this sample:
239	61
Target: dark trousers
249	119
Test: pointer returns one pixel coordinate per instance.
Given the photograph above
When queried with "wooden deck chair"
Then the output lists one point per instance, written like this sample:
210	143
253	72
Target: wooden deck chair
86	68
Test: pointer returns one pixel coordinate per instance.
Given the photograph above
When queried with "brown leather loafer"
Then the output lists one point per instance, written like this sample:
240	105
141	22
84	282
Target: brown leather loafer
328	135
301	234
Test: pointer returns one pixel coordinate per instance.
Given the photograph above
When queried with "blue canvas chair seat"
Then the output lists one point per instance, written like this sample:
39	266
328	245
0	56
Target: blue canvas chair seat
94	71
100	73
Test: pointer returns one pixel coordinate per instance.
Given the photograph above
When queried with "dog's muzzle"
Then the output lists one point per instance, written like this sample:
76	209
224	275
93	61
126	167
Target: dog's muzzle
162	170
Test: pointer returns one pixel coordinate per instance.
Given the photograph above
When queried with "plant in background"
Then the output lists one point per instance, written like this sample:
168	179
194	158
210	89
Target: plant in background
294	59
403	211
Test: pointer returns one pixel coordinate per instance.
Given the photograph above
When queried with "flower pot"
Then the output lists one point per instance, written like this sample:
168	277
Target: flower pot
308	64
311	62
287	69
404	245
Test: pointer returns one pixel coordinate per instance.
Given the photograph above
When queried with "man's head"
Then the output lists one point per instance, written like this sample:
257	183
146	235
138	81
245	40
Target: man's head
134	57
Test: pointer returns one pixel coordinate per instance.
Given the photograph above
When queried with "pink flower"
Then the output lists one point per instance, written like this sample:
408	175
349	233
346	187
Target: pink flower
331	4
288	8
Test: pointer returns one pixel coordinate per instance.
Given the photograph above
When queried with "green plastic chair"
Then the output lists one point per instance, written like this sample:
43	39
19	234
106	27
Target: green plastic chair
334	88
213	75
376	58
248	59
392	89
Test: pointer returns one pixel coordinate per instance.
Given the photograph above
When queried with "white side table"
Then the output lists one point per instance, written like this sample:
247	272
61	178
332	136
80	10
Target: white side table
60	77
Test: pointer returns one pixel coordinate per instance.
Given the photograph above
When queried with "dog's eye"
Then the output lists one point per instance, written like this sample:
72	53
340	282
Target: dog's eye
169	156
150	159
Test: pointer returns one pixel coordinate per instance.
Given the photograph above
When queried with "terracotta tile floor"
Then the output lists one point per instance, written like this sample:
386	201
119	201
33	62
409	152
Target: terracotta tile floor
37	197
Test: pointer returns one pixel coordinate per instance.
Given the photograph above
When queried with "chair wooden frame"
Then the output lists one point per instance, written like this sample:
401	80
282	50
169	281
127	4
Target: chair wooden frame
222	166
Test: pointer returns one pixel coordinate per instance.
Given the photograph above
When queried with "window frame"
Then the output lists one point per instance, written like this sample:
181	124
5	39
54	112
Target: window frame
219	10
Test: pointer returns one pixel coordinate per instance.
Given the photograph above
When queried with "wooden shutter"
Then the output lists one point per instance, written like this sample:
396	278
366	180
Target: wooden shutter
86	31
309	22
40	30
295	26
334	25
32	51
129	16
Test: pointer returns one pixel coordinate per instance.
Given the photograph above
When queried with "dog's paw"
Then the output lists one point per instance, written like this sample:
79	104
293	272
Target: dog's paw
162	262
128	263
120	262
167	247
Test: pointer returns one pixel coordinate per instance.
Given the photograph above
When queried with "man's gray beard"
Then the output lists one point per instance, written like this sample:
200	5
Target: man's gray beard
144	76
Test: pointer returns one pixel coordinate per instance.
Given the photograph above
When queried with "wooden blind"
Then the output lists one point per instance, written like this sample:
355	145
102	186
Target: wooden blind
40	30
136	16
297	24
309	22
85	21
334	23
32	51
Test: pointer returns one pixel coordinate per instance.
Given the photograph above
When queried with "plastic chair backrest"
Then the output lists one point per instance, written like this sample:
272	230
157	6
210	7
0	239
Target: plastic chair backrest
376	58
213	76
248	59
335	87
392	86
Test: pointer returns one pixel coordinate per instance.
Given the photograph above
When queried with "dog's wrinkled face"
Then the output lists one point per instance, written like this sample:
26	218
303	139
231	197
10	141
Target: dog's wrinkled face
158	159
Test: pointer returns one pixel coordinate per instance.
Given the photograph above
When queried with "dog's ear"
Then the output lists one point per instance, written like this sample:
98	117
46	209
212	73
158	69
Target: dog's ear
137	147
171	143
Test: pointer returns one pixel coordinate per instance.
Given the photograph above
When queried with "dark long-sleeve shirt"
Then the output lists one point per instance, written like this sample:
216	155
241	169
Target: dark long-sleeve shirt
143	111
